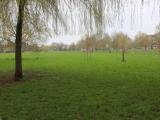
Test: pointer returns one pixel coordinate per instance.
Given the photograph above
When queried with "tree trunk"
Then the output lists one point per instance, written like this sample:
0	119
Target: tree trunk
18	42
159	48
109	50
123	54
152	46
145	48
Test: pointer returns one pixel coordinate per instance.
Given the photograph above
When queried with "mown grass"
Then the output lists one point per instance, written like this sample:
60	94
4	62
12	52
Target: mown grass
68	86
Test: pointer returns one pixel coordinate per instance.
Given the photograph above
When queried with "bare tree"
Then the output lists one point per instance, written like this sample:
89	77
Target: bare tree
105	43
142	40
157	38
121	41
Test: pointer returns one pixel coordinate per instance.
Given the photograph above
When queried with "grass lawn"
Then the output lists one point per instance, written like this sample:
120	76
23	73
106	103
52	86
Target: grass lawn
67	86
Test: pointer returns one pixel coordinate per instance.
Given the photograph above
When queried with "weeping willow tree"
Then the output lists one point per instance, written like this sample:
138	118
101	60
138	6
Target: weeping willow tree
26	18
40	11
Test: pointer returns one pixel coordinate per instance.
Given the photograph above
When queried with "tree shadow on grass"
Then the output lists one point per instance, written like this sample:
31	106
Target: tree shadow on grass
7	78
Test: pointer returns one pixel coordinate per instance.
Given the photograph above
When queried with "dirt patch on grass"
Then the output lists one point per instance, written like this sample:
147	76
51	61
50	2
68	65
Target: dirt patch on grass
7	78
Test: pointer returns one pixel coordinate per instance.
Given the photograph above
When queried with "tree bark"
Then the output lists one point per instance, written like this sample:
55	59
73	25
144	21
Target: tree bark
18	42
123	54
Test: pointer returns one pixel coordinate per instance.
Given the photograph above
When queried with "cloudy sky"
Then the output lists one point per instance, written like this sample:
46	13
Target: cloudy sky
135	19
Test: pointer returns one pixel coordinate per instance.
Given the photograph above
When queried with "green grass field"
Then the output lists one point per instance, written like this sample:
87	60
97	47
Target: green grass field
67	86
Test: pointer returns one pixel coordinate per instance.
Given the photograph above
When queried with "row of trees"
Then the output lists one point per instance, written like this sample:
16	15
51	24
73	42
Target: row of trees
117	41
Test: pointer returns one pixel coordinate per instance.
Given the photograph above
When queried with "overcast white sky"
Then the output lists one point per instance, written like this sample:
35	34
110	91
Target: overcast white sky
145	19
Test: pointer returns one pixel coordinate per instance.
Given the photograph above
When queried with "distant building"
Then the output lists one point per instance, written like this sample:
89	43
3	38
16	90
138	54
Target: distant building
155	40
